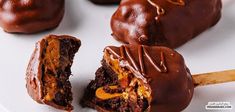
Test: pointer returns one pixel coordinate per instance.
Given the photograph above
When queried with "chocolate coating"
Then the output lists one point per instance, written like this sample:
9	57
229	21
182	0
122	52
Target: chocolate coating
172	90
163	22
161	69
30	16
105	1
47	75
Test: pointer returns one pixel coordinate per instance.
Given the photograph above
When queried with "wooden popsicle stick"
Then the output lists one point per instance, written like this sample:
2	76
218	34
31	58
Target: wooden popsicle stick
213	78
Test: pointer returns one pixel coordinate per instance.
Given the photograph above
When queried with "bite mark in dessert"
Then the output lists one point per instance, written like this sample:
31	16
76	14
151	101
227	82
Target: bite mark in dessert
139	78
48	71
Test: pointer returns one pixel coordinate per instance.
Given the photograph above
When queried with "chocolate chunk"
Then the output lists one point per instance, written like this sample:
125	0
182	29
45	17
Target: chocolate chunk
163	22
152	79
30	16
47	75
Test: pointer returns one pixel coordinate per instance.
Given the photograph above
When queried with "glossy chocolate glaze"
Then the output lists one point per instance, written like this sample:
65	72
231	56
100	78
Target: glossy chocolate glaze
35	74
163	22
161	68
30	16
105	1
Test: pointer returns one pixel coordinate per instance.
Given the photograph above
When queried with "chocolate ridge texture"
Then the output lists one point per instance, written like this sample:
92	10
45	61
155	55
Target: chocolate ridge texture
30	16
47	75
139	78
169	23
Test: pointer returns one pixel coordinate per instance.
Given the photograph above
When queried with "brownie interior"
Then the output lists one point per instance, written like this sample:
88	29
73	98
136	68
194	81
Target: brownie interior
106	77
57	59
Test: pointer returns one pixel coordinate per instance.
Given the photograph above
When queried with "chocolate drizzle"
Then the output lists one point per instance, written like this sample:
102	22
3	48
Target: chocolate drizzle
141	60
131	59
162	62
177	2
142	51
160	10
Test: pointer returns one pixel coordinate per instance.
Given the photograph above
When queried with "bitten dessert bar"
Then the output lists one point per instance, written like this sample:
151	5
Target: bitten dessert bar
48	71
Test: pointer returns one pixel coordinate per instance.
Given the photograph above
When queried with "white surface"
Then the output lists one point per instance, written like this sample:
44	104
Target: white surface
211	51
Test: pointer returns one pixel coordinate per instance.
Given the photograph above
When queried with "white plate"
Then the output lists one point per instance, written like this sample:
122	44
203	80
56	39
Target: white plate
211	51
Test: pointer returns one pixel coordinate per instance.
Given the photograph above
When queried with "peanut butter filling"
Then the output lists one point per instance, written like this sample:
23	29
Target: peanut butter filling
101	94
